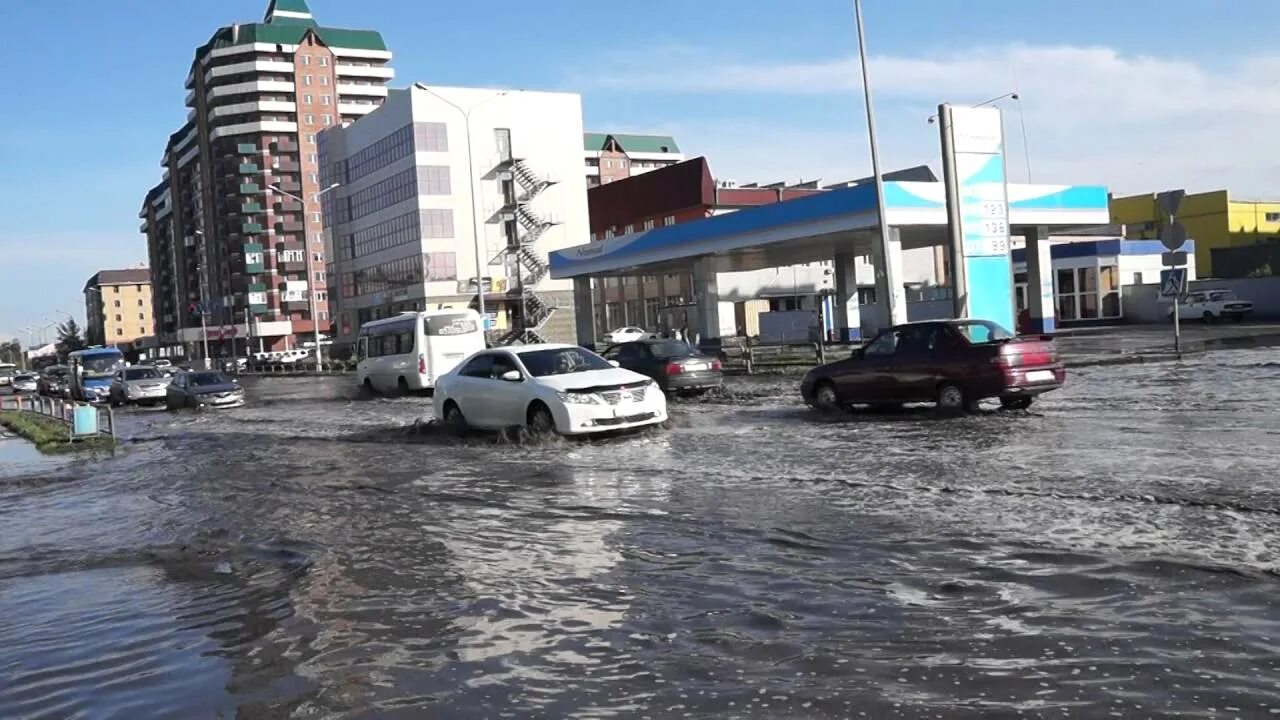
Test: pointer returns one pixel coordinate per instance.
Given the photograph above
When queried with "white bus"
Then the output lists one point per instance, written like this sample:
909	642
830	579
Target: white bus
408	352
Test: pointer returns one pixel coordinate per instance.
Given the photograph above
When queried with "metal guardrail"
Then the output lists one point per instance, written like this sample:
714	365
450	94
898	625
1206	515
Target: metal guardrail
758	356
61	410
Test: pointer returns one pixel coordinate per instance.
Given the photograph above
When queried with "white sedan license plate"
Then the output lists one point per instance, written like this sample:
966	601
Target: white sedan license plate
1040	376
695	367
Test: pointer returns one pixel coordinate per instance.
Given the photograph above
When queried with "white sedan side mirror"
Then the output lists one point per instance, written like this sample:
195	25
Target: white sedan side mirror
512	376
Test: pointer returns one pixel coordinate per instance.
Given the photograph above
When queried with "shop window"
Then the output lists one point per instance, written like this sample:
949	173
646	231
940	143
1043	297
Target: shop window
1110	291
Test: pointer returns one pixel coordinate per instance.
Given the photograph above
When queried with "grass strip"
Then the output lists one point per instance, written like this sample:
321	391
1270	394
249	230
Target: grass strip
50	436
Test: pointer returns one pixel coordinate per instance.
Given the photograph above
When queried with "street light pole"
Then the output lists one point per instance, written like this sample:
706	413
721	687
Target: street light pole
471	186
311	276
204	327
885	265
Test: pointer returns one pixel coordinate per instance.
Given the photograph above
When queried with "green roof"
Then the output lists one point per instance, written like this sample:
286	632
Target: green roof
289	6
632	143
291	33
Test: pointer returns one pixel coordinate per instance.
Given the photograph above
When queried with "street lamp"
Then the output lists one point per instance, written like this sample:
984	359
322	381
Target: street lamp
1022	122
204	327
471	185
311	276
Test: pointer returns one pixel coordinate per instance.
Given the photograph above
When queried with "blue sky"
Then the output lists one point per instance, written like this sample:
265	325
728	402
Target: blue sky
1138	95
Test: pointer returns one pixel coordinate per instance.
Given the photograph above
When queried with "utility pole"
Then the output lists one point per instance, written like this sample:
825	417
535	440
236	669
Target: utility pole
886	276
204	328
471	187
311	276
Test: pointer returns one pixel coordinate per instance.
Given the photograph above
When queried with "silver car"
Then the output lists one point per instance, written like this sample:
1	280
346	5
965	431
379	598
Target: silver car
141	385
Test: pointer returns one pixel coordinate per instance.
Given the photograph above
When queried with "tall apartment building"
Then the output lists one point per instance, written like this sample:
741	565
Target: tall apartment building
117	306
613	156
446	192
234	228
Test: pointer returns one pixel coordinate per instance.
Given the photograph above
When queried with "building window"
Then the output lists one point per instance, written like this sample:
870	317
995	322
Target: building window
434	179
115	289
311	158
651	312
309	119
673	300
669	220
139	302
117	303
324	80
328	119
1110	290
324	61
635	311
315	217
119	332
306	79
326	99
630	229
141	316
306	59
319	276
306	99
431	137
648	224
118	318
311	138
608	233
1273	217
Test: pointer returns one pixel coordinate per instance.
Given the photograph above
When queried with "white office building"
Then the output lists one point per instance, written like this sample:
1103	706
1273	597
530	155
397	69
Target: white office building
445	191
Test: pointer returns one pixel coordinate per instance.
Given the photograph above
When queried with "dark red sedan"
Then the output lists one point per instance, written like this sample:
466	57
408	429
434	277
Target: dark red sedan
954	363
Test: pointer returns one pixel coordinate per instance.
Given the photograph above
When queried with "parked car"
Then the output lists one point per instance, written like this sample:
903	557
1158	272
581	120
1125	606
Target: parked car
203	388
561	388
140	385
25	383
675	365
953	363
627	334
7	371
53	381
1212	305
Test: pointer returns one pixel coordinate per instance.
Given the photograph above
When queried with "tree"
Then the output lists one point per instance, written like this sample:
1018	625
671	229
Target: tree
70	339
11	352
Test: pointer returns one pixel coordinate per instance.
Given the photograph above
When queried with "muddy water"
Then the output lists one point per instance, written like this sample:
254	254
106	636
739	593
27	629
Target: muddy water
1112	552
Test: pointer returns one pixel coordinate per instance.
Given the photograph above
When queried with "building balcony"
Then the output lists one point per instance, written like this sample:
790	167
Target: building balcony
287	204
248	168
251	207
289	226
285	146
247	148
286	166
289	186
251	228
249	189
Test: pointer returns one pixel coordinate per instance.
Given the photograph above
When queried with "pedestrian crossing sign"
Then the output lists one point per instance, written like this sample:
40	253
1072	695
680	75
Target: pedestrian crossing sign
1173	282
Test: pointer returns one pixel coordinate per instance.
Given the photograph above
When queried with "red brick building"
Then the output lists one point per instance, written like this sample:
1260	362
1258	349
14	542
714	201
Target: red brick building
675	194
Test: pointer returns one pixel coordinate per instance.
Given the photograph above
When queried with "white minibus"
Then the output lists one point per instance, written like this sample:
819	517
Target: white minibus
409	351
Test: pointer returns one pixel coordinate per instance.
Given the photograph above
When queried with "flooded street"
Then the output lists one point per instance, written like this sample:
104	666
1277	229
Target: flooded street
1111	552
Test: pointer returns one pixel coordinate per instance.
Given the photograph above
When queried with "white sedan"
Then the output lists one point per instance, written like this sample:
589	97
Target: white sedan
561	388
627	334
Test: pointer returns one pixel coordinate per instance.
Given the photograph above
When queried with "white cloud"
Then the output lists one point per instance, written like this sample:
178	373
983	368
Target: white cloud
1133	122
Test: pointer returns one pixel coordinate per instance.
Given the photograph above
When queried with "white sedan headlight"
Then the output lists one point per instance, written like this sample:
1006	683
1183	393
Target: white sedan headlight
579	398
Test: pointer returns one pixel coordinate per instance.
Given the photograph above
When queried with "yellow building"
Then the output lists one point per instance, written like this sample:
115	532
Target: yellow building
117	306
1212	219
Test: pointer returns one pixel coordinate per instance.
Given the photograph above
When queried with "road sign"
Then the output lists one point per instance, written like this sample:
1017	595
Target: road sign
1173	235
1174	259
1173	282
1169	201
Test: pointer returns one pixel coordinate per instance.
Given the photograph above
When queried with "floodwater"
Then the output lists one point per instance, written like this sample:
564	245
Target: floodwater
1112	552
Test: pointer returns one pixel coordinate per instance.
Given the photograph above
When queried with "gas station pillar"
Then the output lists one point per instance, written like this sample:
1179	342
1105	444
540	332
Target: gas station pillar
707	296
848	316
891	296
584	311
1039	281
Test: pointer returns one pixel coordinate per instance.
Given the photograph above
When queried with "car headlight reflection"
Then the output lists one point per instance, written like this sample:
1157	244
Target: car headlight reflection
578	398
